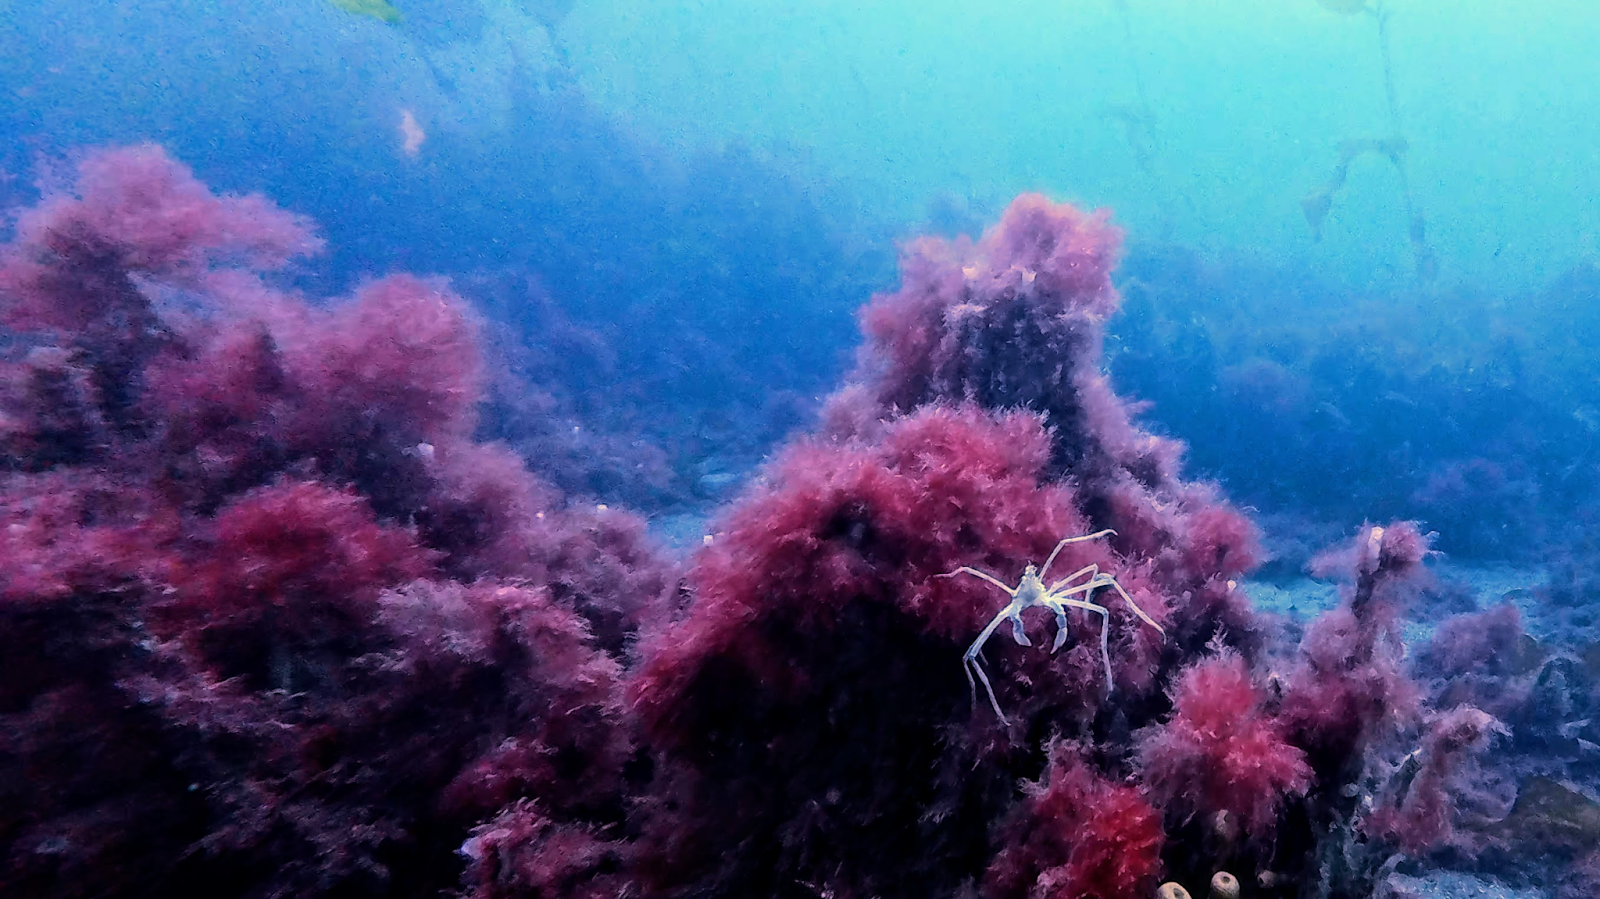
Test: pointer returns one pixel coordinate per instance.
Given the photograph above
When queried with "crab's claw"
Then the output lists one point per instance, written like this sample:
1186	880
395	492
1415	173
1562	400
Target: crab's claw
1061	632
1016	632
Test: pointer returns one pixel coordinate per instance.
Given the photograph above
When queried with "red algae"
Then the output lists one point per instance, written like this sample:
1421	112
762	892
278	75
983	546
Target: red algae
282	626
279	625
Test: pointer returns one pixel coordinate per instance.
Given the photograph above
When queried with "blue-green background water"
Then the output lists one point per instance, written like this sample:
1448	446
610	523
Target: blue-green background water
675	208
900	103
1248	99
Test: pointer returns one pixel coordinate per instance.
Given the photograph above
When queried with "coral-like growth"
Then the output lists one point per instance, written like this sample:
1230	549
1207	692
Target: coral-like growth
1077	835
1221	754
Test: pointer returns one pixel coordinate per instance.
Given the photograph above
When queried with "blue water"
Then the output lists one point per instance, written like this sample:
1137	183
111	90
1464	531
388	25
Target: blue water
740	179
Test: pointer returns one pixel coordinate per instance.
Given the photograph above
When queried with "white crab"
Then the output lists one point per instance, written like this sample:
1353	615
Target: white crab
1073	591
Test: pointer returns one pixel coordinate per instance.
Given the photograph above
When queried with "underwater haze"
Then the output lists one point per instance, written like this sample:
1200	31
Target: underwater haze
1109	449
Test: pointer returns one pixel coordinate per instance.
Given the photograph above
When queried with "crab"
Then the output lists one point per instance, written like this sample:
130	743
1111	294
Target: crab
1074	591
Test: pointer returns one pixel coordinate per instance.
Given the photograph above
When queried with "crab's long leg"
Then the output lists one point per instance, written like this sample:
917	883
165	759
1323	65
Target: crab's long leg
1061	602
988	688
1010	591
1081	604
969	661
1111	581
1093	571
1087	588
1095	536
1105	647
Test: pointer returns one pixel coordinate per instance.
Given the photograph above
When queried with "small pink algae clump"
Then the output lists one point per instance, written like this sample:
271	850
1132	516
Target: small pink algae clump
1422	818
1077	836
424	381
1221	754
135	212
287	572
522	852
1045	270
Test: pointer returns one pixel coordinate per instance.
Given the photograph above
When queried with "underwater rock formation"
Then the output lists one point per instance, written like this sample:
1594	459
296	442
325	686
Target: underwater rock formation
810	733
809	713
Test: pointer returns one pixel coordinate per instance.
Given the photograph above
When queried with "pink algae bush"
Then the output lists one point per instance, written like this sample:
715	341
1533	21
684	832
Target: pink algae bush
1422	817
1077	834
1221	755
155	217
1350	687
810	709
839	524
1017	321
276	624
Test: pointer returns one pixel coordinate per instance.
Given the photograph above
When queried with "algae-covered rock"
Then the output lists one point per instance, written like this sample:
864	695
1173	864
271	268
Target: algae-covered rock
1550	814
